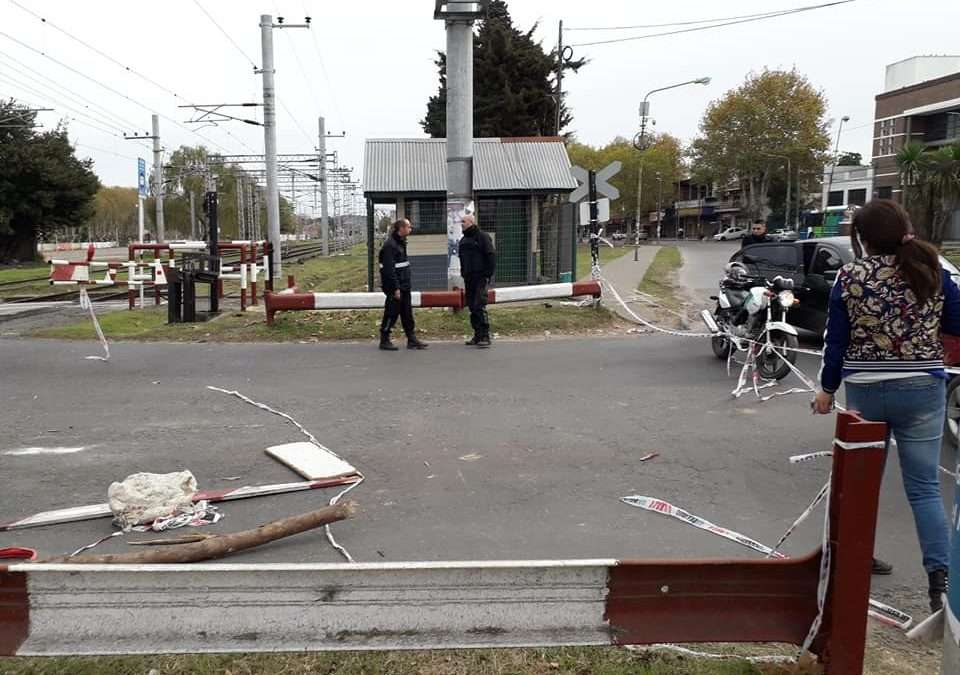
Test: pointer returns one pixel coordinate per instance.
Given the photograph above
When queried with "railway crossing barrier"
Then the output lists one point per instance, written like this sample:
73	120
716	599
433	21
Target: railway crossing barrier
290	302
58	609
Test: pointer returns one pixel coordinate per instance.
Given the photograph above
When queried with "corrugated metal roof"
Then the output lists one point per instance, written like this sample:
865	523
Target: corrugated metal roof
419	165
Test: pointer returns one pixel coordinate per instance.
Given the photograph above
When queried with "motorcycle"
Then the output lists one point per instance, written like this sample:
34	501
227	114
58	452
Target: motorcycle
750	317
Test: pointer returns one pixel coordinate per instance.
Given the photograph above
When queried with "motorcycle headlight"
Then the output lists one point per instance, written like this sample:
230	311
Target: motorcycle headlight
786	298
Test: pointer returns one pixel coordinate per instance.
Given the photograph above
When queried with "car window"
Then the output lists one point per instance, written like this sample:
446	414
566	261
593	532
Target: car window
772	257
827	259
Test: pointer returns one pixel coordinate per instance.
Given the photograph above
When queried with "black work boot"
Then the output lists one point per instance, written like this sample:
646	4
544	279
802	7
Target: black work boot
385	343
414	343
472	342
881	568
938	586
484	341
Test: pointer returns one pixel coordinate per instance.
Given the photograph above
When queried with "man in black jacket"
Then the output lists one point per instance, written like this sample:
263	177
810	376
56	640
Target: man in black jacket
395	281
478	261
758	234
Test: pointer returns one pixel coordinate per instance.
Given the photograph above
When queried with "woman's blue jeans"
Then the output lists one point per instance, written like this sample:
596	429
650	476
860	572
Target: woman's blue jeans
914	409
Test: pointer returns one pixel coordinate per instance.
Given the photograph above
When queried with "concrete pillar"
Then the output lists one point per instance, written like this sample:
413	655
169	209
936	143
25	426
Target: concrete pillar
401	208
459	135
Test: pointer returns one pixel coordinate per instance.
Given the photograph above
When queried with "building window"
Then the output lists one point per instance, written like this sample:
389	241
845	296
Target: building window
953	125
885	192
835	198
857	197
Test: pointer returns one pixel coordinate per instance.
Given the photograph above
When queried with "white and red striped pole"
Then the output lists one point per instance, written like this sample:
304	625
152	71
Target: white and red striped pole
291	302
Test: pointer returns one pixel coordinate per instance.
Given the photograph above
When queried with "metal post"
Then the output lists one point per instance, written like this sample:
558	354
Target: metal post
644	110
158	176
241	225
659	202
270	139
559	73
786	216
193	217
370	242
459	136
140	219
324	225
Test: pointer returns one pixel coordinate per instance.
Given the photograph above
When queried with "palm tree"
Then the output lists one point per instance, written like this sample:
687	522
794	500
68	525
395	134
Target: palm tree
931	184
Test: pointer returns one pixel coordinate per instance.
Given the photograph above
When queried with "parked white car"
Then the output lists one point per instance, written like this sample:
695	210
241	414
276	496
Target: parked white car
731	233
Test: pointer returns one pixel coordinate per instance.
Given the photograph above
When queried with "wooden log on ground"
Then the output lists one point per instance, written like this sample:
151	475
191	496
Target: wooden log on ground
220	545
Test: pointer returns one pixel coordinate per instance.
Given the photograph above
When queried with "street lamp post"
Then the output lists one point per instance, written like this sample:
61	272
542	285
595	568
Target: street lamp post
659	203
638	143
833	165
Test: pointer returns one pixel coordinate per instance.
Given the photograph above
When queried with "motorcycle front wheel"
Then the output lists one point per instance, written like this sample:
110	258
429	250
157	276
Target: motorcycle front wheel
721	346
770	365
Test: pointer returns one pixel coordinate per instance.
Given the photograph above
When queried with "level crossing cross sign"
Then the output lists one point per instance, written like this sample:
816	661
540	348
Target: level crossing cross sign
603	187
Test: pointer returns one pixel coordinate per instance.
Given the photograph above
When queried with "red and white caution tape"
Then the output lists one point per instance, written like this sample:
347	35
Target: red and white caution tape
810	456
803	516
313	439
677	649
668	509
85	303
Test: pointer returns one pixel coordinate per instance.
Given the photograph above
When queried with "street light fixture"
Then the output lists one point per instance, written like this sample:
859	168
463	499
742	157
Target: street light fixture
638	143
833	165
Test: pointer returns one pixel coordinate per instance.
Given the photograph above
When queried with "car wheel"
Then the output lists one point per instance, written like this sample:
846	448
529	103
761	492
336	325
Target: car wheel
951	424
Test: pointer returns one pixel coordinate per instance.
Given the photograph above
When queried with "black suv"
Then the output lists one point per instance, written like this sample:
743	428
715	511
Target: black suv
813	265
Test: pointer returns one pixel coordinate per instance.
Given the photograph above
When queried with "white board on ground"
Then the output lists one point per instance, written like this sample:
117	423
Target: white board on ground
310	461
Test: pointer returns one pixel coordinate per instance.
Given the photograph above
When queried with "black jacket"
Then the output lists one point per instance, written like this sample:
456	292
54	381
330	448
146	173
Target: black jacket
478	257
394	266
751	239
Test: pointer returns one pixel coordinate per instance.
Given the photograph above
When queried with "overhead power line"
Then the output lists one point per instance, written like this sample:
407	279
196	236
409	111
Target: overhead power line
53	85
116	62
225	33
675	23
763	17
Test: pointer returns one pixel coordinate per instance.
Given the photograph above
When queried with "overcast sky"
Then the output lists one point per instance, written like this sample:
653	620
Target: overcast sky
367	66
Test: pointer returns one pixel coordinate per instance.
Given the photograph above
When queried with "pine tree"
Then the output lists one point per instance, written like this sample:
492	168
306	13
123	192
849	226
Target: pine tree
514	88
43	185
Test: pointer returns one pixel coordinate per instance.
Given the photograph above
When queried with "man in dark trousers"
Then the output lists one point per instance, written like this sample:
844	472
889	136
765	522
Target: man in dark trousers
478	261
395	281
758	234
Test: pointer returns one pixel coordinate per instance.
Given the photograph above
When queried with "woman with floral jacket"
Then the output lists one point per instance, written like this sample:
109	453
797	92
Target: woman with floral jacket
886	314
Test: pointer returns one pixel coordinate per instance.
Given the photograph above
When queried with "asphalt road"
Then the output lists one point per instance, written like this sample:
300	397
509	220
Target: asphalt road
517	452
702	269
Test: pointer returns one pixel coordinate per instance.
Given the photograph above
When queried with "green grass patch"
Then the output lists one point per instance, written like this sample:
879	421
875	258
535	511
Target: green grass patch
338	273
659	278
558	661
150	325
10	273
606	255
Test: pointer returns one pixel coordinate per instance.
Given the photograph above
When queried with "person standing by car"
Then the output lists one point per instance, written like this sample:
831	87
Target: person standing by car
758	234
887	310
478	261
395	281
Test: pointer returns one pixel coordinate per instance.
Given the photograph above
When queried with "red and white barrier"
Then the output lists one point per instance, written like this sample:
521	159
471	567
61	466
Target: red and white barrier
290	302
58	609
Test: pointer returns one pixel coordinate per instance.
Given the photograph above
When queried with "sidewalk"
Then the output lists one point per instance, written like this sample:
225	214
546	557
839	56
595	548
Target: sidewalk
626	274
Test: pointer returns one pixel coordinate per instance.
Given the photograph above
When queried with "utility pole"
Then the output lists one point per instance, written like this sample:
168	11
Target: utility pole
158	176
270	131
241	225
322	149
458	17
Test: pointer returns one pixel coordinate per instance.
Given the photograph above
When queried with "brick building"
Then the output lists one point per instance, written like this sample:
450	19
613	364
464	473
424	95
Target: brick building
920	102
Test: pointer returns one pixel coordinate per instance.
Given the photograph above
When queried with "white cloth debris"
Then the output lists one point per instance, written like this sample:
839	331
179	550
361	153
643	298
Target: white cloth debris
144	497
